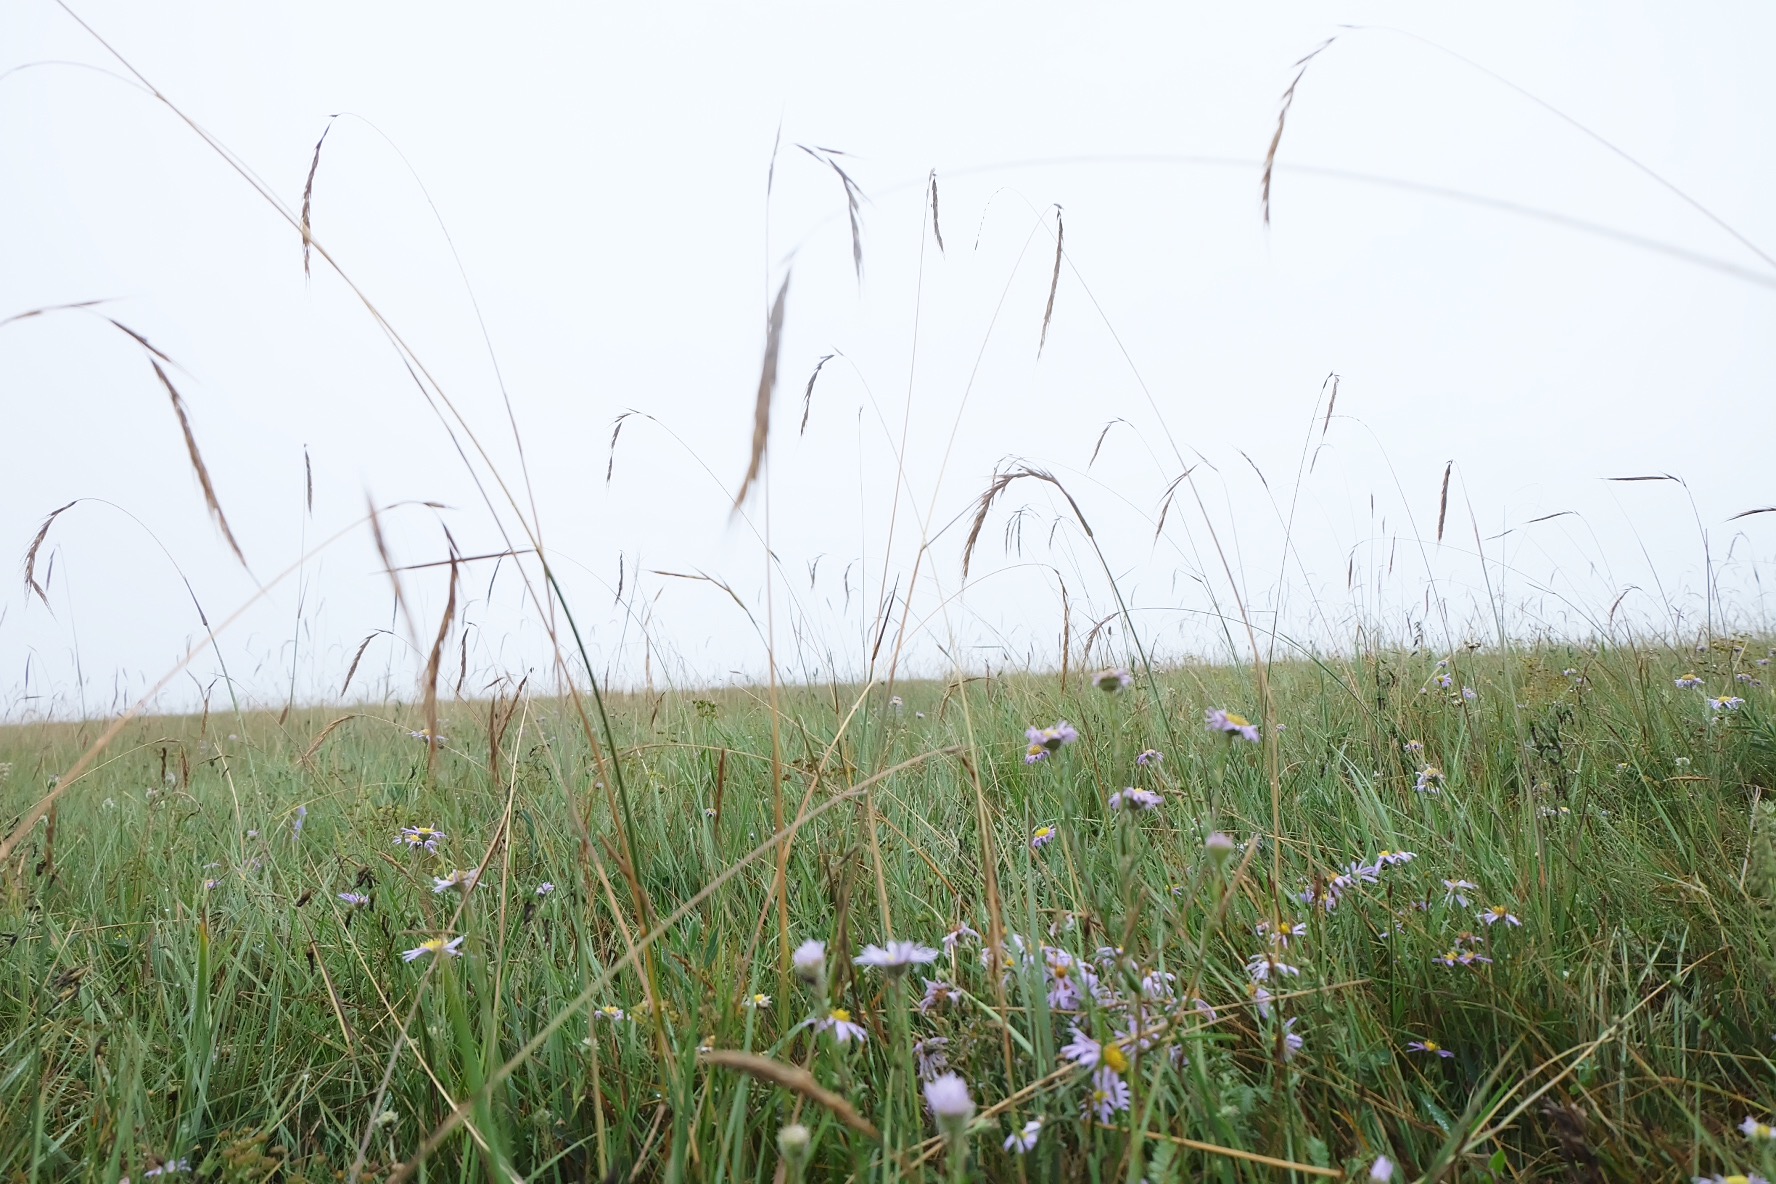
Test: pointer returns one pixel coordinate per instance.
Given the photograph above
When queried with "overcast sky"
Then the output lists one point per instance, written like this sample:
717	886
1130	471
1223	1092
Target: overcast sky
1491	284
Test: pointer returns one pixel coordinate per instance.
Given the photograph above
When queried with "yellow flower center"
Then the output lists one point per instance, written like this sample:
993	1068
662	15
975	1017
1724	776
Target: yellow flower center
1238	721
1431	1046
1042	832
841	1016
434	945
1115	1058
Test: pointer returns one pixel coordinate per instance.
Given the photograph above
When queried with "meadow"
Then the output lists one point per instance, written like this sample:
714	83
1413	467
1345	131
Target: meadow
1496	914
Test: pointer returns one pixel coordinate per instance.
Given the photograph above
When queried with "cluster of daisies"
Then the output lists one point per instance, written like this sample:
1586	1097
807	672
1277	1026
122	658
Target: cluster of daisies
457	880
1443	680
1756	1132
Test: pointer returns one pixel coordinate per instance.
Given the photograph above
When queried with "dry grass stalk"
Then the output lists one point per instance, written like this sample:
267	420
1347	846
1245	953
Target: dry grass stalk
431	672
761	412
31	584
991	494
704	576
315	744
853	200
197	462
936	228
610	464
808	395
308	194
1054	282
794	1079
388	565
1100	443
1276	139
308	482
1443	501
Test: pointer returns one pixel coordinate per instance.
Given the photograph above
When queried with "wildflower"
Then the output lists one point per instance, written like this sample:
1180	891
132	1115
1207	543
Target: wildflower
171	1165
301	818
210	885
1748	679
895	702
838	1021
420	836
610	1013
1428	1046
1112	681
1044	741
1218	846
1109	1093
1430	780
354	900
1497	913
1151	756
1412	747
1063	987
1754	1178
938	994
1293	1042
1135	799
437	947
1454	890
1157	985
947	1097
1022	1141
1686	682
545	888
1263	967
1042	836
758	1002
1725	703
1468	694
894	958
252	834
792	1145
932	1056
1261	998
1394	858
1753	1129
1382	1170
958	935
1553	811
1217	720
1682	762
425	735
809	960
1445	681
709	811
1280	934
1087	1053
457	881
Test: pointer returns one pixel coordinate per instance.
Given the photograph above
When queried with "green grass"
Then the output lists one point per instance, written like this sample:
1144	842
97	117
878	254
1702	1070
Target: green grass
1622	1032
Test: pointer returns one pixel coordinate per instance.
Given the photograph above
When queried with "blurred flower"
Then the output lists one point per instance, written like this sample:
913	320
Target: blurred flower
420	836
809	960
895	703
1264	967
1682	762
958	935
947	1097
1430	778
1087	1053
838	1021
457	881
1280	934
1217	720
931	1055
1042	836
1553	811
1382	1170
1454	890
1725	703
610	1013
1261	997
1394	858
1497	913
1414	747
1109	1093
1219	846
212	884
301	818
545	888
354	900
1748	679
1686	682
171	1165
1044	741
894	958
1293	1043
792	1145
1151	756
437	947
1445	681
425	735
1021	1141
938	994
1430	1046
758	1002
1114	680
1468	694
1753	1129
1135	799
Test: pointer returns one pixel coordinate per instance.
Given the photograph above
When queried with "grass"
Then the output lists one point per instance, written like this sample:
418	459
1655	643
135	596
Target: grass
183	981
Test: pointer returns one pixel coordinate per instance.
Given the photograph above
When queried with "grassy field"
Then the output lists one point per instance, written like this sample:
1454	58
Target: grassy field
213	956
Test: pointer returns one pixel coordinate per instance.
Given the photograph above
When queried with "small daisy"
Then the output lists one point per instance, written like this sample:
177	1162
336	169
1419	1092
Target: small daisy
354	900
758	1002
210	885
610	1013
1394	858
1293	1043
1260	998
1428	1046
1454	890
420	836
932	1056
1412	747
545	888
1686	682
1497	913
947	1099
1022	1141
958	935
1748	679
809	960
938	995
171	1165
1468	694
1150	757
838	1022
1219	846
425	735
1087	1053
894	958
1430	780
1042	836
1753	1129
1112	681
1044	741
1264	967
1217	720
1281	934
1135	799
1725	703
895	703
456	881
1109	1093
1382	1170
1445	681
437	947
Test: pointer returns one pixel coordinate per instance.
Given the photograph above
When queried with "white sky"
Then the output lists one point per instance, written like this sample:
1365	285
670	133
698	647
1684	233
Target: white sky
601	171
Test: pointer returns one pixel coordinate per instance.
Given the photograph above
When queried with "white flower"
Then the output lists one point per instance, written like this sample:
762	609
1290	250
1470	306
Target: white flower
458	881
894	958
809	960
839	1022
1019	1142
1382	1170
947	1096
1135	799
437	947
545	888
